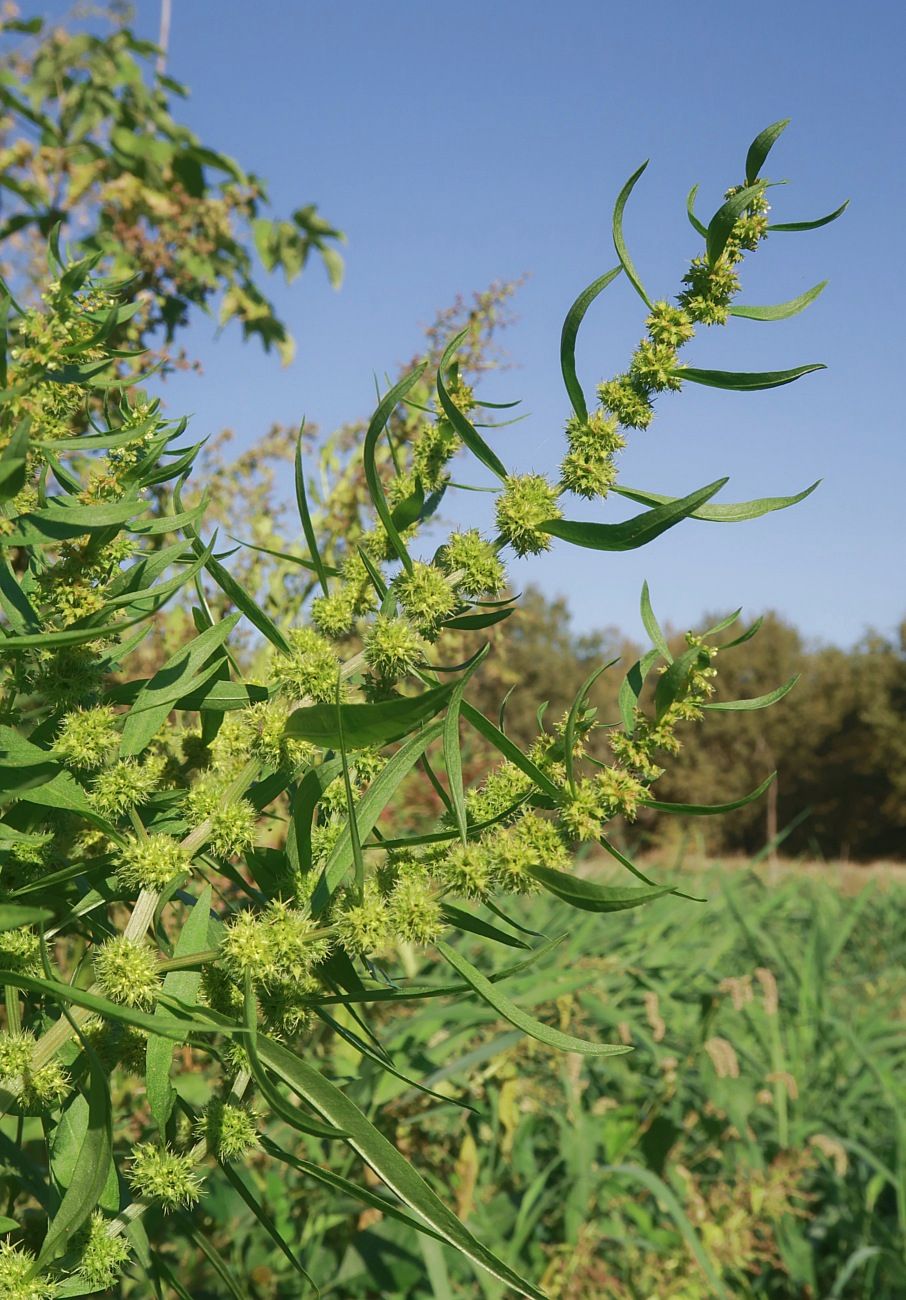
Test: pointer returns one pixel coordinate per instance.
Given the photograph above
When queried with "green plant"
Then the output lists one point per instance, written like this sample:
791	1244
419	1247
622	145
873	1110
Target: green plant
200	860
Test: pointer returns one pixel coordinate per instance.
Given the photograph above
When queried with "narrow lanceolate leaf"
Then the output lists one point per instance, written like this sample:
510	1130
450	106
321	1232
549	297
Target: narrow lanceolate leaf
635	532
183	673
506	747
619	241
589	896
463	920
730	512
183	984
466	430
672	683
475	622
244	602
91	1169
720	227
368	810
741	381
308	527
453	758
366	725
694	222
12	916
757	702
709	809
781	310
811	225
760	148
390	1166
12	463
574	318
504	1006
649	620
631	687
372	477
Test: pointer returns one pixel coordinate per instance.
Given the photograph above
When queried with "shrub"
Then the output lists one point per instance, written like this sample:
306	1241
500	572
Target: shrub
213	844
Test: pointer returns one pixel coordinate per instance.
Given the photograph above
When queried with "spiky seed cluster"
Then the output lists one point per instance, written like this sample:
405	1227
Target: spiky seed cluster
474	560
229	1131
363	925
597	800
20	950
526	502
425	596
627	401
166	1176
275	946
127	971
102	1257
432	451
310	669
233	828
16	1281
126	784
532	841
334	614
38	1089
414	911
392	647
150	863
87	737
502	789
466	870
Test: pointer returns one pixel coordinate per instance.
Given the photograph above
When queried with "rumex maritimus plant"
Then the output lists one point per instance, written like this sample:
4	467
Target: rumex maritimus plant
199	860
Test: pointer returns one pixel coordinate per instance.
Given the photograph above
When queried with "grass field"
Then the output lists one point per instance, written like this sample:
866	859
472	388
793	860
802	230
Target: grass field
752	1144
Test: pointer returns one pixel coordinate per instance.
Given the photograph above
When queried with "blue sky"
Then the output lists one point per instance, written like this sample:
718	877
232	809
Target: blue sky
460	144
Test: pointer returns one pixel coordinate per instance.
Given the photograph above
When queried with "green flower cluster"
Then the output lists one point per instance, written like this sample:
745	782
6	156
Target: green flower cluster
165	1176
588	469
126	784
88	738
150	863
526	502
311	668
39	1088
17	1276
230	1132
102	1256
127	971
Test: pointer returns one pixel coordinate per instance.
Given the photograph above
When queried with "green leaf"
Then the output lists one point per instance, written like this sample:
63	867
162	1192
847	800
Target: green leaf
185	671
391	1167
589	896
672	683
722	513
758	702
696	225
11	916
372	478
811	225
169	1027
462	920
475	622
574	318
649	621
12	463
760	148
368	810
635	532
305	516
619	242
505	1007
720	227
709	809
782	310
631	687
91	1170
244	602
506	747
466	430
183	984
745	381
366	725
